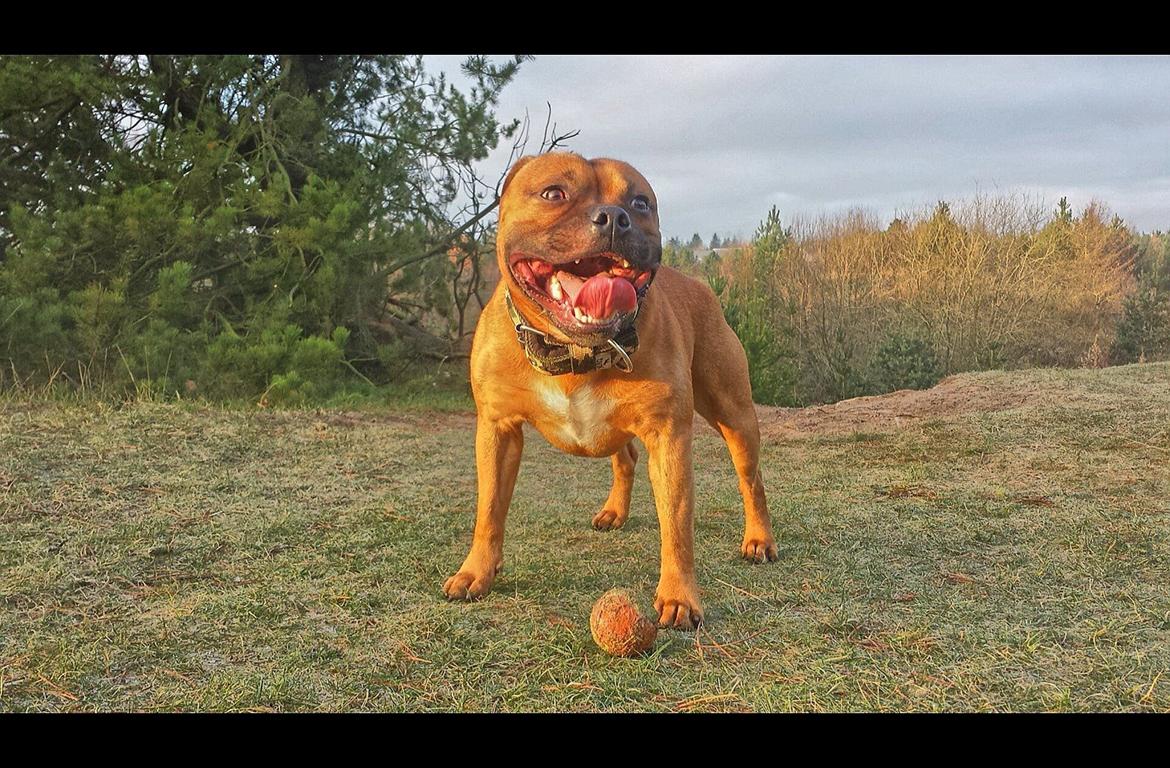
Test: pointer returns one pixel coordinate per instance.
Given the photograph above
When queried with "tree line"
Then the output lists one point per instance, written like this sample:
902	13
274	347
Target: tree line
844	306
283	227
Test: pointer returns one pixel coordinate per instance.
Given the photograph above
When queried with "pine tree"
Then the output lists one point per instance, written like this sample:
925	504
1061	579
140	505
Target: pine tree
274	200
762	323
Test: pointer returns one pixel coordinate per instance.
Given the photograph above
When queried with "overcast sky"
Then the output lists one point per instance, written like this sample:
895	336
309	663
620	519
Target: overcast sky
723	138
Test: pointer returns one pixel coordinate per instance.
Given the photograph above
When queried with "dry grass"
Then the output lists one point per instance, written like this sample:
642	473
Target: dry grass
163	557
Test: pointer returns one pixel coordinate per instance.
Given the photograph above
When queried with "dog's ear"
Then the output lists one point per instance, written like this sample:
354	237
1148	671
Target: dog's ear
516	166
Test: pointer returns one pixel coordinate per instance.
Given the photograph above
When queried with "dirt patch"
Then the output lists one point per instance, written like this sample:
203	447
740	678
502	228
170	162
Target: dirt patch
952	396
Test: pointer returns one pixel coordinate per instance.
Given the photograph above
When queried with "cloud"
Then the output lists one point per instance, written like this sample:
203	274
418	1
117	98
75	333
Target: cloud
724	138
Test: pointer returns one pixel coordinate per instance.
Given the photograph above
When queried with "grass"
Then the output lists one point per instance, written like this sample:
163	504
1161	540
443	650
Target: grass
182	557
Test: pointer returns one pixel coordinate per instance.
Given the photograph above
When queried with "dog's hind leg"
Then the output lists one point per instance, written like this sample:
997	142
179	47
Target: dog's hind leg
743	442
617	506
723	396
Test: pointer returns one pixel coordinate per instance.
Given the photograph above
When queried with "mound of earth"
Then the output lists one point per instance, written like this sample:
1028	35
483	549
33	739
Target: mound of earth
952	396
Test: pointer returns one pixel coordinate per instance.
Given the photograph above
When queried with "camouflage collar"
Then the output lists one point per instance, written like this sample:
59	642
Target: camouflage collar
556	358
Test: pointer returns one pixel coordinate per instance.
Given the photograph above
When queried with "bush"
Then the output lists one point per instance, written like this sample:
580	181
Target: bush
34	329
903	362
1143	332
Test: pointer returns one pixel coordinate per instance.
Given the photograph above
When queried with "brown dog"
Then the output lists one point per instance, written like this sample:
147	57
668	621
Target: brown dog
578	245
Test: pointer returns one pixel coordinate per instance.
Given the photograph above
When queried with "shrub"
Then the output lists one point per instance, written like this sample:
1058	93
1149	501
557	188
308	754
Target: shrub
903	362
1143	332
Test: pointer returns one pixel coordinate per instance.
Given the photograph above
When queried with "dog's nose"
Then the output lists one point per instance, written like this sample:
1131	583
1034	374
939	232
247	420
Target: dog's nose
610	218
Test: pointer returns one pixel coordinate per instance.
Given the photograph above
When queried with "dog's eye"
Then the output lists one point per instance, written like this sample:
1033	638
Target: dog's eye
553	193
641	203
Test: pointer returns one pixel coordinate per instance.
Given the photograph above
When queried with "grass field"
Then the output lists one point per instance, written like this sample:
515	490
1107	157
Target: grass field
1001	544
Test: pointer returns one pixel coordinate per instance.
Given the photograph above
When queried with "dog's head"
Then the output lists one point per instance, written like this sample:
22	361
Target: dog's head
577	239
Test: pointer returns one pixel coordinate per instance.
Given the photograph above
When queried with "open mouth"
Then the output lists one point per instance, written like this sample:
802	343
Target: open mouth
589	293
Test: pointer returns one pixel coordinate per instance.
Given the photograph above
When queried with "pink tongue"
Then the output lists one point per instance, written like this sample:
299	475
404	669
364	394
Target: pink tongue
602	296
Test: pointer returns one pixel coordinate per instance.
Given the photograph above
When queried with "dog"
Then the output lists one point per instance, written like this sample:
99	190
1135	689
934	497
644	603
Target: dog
593	342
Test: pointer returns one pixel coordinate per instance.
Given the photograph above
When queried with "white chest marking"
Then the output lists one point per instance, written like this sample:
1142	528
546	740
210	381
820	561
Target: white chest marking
581	418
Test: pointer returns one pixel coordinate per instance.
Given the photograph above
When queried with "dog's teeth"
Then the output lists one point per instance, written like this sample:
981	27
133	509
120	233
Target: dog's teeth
579	314
554	289
625	264
578	261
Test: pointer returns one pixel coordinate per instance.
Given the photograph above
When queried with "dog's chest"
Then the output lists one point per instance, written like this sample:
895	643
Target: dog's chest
577	422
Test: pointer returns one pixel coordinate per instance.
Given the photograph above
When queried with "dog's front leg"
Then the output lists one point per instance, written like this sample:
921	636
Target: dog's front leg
498	445
677	597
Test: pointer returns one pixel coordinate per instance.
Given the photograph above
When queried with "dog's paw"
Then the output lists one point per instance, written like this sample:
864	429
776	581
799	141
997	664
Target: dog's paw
466	585
677	603
609	520
759	550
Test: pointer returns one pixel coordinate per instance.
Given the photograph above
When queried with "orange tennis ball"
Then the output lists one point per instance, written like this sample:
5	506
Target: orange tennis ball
619	627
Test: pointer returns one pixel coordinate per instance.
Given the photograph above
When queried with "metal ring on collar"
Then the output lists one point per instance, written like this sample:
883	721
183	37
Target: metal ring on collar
623	356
